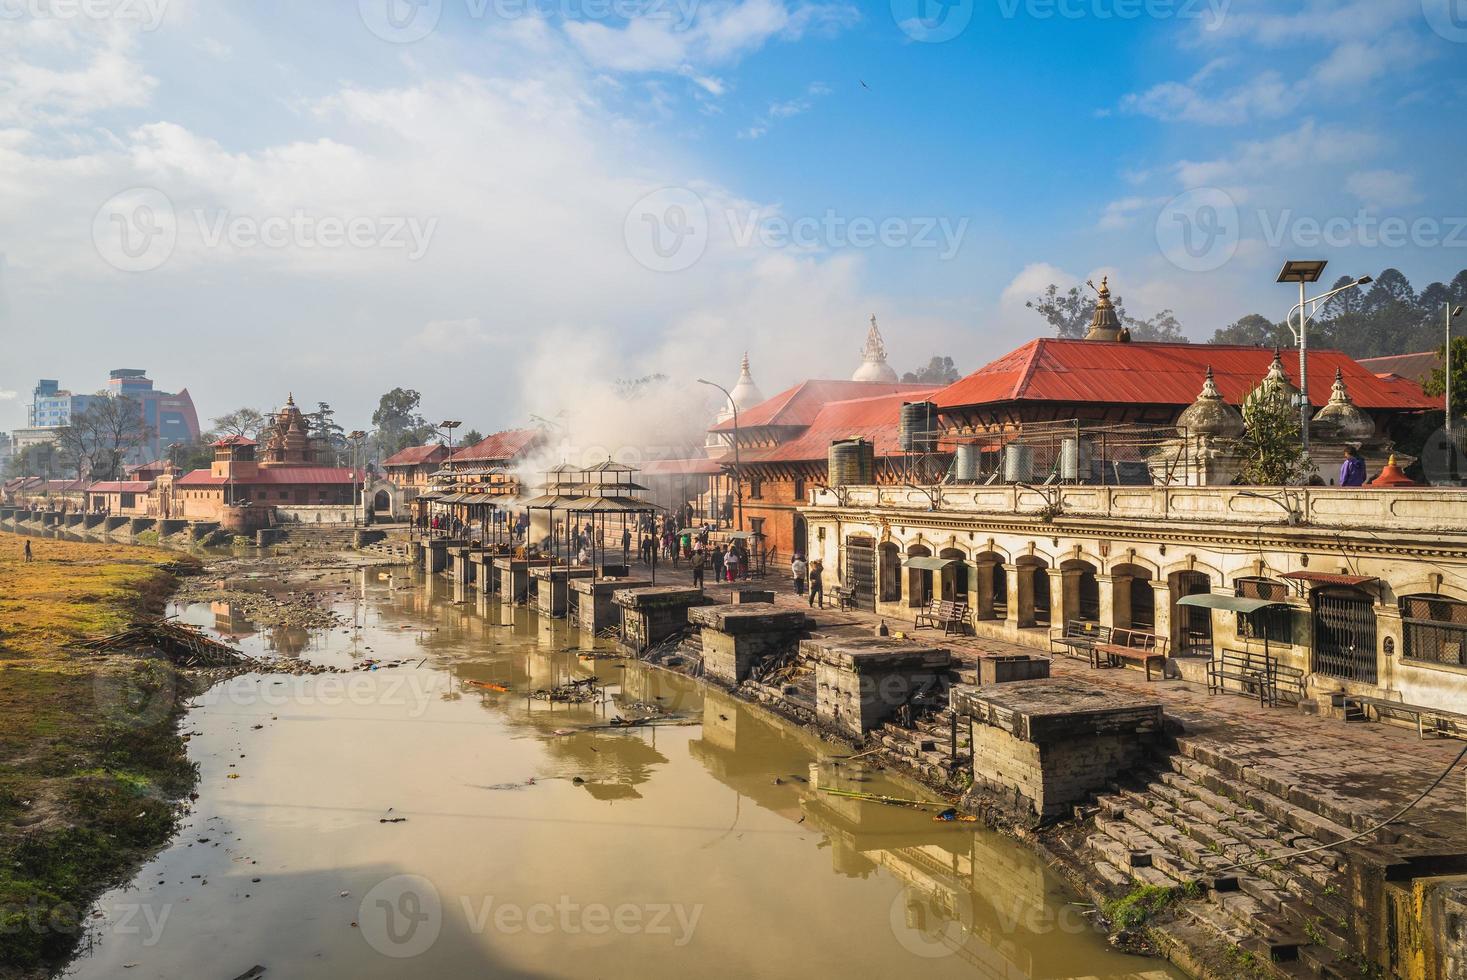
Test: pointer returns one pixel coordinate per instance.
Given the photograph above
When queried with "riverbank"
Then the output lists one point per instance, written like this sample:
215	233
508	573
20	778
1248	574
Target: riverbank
91	761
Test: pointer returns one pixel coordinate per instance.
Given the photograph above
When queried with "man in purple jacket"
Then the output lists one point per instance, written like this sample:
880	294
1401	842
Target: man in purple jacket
1352	470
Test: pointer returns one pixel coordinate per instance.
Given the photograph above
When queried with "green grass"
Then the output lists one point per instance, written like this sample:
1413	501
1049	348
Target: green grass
1144	903
91	762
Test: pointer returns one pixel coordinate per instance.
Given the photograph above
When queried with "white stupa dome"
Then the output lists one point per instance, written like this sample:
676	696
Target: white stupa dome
873	359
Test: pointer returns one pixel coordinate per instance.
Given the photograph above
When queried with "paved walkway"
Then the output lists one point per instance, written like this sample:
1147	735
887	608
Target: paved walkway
1362	772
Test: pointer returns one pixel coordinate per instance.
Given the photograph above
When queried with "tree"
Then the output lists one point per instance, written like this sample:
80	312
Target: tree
938	371
246	422
196	455
113	429
398	423
36	460
330	438
1069	313
1273	453
1254	330
471	438
1437	383
1163	327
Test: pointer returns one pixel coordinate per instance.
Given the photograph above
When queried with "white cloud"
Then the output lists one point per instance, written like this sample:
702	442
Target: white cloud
1383	188
7	396
1122	213
1308	145
720	33
785	109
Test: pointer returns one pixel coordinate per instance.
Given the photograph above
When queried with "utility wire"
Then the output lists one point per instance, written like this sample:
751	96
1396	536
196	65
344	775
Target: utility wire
1364	833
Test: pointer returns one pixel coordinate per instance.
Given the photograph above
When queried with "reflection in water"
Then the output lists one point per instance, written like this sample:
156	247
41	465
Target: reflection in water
521	812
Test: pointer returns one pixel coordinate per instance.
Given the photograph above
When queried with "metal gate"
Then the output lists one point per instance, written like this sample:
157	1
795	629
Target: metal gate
1194	626
1344	635
861	571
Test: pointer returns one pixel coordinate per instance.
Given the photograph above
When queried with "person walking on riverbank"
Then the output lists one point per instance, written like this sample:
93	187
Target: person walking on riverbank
28	556
731	564
700	561
817	583
799	568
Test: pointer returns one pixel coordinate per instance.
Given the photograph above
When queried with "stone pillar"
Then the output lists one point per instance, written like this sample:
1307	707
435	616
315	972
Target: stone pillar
983	589
1162	602
1020	612
1115	600
1064	596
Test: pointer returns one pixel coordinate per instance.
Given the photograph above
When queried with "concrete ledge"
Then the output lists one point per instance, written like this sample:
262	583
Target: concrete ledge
1059	708
746	618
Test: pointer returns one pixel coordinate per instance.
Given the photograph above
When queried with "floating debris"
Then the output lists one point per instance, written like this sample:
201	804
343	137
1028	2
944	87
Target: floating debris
181	644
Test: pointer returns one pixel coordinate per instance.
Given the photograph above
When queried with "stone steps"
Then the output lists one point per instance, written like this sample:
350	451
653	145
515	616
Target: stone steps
1186	821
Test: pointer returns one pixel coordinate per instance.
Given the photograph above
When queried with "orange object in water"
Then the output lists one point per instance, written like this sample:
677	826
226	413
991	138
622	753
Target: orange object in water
490	687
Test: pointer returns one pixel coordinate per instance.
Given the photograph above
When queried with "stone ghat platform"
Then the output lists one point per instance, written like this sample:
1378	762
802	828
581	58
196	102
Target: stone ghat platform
1042	746
739	636
860	683
594	609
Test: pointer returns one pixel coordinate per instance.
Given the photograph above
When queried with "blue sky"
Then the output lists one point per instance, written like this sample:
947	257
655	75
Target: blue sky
503	174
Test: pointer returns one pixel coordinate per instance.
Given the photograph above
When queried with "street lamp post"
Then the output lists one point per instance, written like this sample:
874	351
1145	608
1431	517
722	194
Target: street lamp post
1304	272
1452	312
356	438
738	469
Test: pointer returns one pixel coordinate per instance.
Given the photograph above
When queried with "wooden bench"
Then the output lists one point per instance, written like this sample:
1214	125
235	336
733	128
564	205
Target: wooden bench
1131	646
1077	637
950	616
845	598
1447	724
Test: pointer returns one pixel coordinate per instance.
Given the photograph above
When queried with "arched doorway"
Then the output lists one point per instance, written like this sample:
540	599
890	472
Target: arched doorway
992	586
955	578
382	503
919	580
1087	590
1344	634
801	537
1133	600
1192	624
891	572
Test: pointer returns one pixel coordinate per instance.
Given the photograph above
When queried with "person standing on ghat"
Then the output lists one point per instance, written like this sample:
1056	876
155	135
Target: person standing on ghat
798	570
700	561
626	544
817	583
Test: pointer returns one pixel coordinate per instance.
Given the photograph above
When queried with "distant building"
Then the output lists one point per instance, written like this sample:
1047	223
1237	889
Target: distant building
1417	367
171	416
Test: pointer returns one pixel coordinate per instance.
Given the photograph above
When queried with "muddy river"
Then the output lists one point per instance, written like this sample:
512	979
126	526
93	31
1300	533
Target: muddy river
416	820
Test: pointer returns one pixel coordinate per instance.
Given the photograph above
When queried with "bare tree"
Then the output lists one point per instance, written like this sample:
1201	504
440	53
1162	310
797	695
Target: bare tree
246	422
110	430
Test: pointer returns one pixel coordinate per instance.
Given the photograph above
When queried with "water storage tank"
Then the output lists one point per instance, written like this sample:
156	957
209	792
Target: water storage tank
919	427
852	463
1018	463
967	463
1074	460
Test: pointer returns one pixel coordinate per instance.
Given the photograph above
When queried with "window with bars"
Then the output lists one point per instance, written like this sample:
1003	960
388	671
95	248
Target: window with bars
1274	624
1435	629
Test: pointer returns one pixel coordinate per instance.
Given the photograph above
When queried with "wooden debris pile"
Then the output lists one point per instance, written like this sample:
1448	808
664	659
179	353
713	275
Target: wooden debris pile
181	644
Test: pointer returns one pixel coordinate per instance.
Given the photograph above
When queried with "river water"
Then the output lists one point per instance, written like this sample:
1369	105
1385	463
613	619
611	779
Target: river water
536	840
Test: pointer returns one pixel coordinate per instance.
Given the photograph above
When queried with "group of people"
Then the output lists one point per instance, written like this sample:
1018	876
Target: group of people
809	575
728	563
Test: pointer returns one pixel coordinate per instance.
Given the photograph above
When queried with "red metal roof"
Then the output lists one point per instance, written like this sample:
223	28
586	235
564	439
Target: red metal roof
1413	367
233	441
799	405
875	419
274	476
1329	578
499	447
416	455
121	486
1081	371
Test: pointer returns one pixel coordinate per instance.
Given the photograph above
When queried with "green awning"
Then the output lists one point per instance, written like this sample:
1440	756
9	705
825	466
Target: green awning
1232	603
931	564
